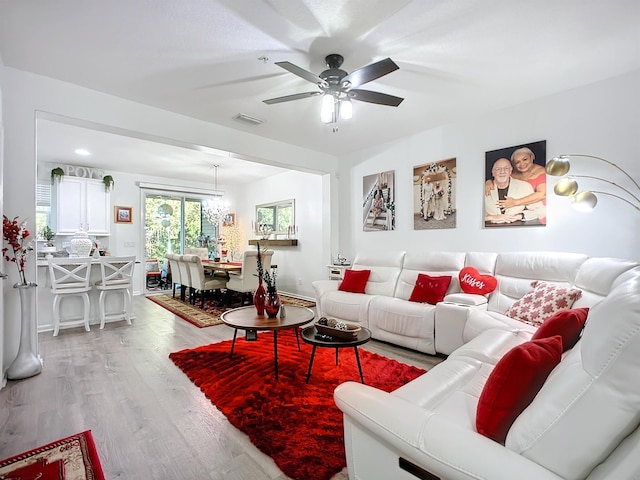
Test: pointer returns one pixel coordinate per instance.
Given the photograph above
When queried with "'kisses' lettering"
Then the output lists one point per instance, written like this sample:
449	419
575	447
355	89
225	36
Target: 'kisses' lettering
473	282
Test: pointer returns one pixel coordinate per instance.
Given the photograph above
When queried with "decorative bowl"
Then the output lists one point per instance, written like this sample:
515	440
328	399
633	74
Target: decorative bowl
350	332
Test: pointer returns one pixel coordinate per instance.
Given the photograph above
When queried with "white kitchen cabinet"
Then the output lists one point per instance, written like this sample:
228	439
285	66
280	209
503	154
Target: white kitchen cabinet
81	203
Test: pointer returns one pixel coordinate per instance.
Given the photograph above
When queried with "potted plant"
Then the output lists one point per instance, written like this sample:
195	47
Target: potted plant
48	235
56	174
108	182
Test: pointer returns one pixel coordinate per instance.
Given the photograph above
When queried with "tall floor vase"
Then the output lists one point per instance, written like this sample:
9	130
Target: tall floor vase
27	364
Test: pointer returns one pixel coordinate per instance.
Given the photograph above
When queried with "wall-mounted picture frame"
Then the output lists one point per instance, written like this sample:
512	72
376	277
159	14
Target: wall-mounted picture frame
123	214
515	186
434	195
229	220
378	201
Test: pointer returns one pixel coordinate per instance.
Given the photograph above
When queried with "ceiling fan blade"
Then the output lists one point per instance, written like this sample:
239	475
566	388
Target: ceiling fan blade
302	73
374	97
370	72
288	98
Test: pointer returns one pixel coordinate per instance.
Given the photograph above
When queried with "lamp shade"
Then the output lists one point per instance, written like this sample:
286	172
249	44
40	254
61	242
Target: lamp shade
558	166
327	111
565	187
584	201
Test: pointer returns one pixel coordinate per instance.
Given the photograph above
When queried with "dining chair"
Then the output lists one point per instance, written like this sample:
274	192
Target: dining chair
116	275
176	278
246	281
185	277
153	273
70	278
200	283
202	252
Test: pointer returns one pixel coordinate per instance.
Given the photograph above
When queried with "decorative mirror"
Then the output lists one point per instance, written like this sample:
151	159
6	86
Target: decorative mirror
278	217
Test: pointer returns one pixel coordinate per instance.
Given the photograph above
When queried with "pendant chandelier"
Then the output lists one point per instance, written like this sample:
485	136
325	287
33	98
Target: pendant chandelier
215	209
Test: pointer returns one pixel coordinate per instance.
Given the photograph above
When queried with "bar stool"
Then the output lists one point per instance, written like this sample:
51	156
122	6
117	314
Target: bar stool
70	278
116	276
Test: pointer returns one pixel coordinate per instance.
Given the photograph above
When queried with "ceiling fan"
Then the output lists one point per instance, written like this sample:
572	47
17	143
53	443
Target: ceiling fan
340	87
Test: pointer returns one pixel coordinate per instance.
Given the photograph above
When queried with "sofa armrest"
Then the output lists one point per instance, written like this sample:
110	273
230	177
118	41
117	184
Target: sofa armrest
320	287
470	299
451	320
376	420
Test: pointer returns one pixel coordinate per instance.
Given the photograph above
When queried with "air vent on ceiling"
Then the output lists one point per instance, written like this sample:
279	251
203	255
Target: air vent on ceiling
241	117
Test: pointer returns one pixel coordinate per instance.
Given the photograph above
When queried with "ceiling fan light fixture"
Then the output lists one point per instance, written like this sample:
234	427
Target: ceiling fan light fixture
346	109
328	110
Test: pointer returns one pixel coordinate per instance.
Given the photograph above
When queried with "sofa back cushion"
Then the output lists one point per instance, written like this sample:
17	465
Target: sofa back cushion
385	269
591	401
432	264
516	270
596	277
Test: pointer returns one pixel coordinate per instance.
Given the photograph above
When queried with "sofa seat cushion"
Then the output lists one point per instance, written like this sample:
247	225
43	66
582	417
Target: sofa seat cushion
450	389
491	345
479	321
352	307
404	323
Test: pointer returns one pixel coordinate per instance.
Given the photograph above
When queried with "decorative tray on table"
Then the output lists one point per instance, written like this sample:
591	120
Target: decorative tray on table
337	329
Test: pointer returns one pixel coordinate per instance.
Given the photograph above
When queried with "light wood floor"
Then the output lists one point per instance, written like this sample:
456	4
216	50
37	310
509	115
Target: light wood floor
148	420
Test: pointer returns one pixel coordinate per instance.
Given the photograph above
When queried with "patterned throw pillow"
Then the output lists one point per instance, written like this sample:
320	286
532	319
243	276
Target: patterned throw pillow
542	302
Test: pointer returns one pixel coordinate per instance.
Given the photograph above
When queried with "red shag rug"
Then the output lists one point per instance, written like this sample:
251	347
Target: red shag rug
71	458
296	424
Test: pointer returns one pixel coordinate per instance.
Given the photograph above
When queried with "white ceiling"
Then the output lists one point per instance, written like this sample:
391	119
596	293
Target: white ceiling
202	58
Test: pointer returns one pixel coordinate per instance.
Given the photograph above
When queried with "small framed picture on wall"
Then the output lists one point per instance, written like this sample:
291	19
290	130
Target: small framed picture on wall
378	193
123	214
515	186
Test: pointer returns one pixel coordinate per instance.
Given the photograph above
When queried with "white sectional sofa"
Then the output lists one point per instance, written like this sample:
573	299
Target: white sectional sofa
582	423
385	310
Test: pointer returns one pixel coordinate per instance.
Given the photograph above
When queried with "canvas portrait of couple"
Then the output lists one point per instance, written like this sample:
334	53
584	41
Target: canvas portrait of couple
515	186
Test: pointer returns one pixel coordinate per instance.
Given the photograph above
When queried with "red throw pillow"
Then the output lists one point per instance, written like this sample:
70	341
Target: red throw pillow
542	302
430	289
354	281
514	383
471	281
566	323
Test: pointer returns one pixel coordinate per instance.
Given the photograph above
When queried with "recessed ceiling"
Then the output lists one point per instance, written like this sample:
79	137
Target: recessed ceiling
210	59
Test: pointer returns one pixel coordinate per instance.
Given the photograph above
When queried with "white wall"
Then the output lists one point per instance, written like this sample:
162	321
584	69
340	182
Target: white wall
25	93
601	119
301	265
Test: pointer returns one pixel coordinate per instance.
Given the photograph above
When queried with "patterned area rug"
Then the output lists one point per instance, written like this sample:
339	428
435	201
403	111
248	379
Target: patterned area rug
71	458
210	315
295	423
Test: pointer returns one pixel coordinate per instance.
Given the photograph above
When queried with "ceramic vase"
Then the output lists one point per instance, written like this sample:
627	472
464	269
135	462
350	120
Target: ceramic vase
26	364
272	304
259	297
81	244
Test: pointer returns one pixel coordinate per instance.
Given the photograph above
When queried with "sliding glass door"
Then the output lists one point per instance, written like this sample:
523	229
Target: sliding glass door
174	223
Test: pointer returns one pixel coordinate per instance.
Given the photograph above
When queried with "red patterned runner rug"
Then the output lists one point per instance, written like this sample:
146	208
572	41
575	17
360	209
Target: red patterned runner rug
210	314
295	423
71	458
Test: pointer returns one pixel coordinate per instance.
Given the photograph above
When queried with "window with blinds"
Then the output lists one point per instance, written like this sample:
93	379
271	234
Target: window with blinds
43	208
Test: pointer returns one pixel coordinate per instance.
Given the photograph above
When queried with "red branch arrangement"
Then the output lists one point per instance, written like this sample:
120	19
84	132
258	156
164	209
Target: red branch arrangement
15	234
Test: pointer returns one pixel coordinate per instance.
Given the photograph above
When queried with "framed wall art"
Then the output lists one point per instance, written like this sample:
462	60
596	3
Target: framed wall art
515	186
434	195
123	214
378	202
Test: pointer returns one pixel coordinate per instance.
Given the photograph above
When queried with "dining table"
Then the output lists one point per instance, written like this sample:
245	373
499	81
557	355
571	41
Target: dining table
226	267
